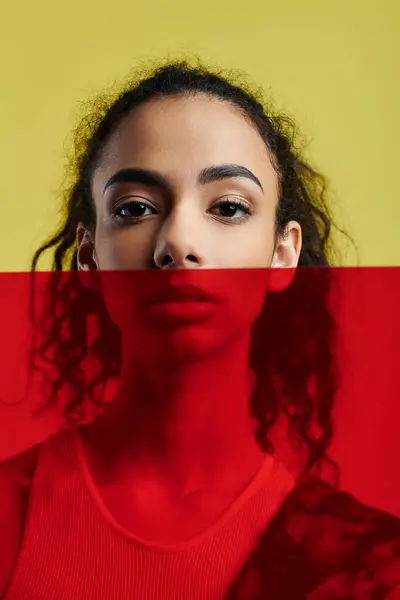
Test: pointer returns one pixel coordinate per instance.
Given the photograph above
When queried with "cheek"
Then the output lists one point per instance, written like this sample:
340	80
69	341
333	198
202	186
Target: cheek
244	291
120	250
250	248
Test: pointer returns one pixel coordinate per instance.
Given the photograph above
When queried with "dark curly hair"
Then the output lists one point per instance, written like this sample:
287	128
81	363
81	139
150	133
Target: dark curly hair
302	384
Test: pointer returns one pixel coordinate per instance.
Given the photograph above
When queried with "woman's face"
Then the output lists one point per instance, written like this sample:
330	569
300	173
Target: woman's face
186	184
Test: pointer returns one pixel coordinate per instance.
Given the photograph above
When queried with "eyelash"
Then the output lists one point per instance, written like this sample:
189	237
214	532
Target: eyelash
237	203
121	220
234	202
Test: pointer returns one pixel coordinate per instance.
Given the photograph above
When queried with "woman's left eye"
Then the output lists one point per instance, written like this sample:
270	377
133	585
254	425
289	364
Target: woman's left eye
233	210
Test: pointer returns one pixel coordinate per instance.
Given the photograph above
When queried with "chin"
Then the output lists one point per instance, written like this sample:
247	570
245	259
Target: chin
192	343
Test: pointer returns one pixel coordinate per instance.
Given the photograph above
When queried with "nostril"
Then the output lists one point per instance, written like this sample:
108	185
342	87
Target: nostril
167	260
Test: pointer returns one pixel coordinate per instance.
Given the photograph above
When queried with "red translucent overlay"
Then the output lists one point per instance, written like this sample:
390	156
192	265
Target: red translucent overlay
347	315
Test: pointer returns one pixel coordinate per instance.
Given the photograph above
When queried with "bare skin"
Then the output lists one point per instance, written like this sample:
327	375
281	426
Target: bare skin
179	450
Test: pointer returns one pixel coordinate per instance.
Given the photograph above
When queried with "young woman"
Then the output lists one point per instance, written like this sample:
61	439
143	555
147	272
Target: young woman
186	195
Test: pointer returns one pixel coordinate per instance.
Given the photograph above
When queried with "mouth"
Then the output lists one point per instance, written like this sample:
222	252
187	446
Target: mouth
183	294
185	303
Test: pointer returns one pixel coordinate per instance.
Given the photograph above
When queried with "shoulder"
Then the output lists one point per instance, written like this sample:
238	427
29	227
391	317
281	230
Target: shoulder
324	543
16	476
356	543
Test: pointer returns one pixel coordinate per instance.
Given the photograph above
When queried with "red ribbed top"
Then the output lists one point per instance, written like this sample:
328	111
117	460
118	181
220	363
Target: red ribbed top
73	548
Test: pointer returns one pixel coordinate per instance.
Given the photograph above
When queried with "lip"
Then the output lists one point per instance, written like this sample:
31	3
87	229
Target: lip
183	294
180	304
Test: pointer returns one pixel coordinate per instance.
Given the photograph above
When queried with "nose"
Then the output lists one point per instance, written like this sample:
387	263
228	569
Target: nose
177	246
170	260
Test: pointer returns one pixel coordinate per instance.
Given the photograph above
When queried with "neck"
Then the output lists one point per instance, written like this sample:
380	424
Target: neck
187	420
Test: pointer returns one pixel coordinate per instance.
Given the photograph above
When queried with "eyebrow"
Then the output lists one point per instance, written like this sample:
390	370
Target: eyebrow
207	175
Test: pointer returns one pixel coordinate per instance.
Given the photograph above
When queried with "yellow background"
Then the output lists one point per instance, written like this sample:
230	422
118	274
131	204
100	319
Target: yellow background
333	65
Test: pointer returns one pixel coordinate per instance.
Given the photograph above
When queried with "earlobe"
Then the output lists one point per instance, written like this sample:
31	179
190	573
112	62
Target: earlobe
280	278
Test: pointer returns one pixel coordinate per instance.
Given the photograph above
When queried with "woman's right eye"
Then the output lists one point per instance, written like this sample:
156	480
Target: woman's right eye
133	210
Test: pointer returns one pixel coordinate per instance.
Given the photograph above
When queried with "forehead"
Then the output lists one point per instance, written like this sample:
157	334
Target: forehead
182	135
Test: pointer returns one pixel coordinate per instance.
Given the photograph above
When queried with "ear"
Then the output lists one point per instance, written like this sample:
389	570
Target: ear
286	257
86	258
